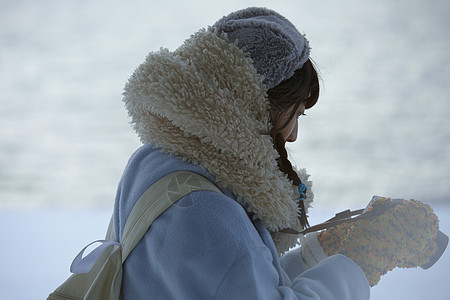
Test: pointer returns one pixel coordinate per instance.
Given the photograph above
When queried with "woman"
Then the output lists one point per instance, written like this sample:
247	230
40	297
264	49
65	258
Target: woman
223	105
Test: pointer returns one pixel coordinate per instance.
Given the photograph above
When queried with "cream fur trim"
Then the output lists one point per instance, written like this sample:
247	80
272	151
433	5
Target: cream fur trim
205	103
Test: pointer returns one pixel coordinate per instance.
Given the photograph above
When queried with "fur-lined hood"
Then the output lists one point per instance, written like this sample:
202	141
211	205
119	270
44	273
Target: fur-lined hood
205	102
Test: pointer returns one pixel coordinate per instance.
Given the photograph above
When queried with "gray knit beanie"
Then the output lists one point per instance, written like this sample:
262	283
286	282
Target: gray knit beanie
274	44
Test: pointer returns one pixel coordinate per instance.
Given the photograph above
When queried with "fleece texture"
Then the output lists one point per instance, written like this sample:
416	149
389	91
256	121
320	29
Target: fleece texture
206	103
274	44
206	247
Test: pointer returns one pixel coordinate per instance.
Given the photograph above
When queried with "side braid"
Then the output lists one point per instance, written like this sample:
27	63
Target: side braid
285	166
284	98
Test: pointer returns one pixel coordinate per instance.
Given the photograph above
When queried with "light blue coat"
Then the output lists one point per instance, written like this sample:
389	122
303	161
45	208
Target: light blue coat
206	247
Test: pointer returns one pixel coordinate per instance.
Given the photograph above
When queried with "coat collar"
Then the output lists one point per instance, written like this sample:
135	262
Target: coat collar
205	103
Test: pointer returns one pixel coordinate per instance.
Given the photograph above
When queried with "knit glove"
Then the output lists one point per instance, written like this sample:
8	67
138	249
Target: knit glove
403	236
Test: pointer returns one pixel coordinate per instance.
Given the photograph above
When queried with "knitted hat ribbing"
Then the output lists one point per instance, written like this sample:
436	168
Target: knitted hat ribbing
274	44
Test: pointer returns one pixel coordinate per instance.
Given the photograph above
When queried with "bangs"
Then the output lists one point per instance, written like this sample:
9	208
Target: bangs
302	87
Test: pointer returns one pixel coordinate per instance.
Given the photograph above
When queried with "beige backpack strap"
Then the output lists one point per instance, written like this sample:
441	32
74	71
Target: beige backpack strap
155	200
110	235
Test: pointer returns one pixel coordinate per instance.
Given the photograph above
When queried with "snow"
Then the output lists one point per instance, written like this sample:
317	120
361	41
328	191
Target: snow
39	245
380	127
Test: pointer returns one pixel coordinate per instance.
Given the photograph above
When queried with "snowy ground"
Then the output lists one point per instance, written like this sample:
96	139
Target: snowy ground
38	247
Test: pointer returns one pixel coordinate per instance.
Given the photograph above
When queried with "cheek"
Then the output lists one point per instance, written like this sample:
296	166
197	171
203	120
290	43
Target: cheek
291	128
293	136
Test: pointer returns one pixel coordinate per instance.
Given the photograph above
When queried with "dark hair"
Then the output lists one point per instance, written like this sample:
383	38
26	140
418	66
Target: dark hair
302	87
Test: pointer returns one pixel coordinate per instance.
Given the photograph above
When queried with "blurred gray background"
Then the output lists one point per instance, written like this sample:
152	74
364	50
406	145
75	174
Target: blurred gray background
381	126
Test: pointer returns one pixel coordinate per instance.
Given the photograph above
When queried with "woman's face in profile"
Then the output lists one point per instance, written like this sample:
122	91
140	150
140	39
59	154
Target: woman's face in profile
289	132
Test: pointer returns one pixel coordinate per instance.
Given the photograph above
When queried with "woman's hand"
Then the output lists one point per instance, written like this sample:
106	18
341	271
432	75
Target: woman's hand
404	236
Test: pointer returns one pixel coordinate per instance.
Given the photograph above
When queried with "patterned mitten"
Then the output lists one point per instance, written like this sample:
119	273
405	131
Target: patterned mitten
403	236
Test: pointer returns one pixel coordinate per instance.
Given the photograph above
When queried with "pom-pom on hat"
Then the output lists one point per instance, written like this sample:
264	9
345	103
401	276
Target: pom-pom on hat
274	44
